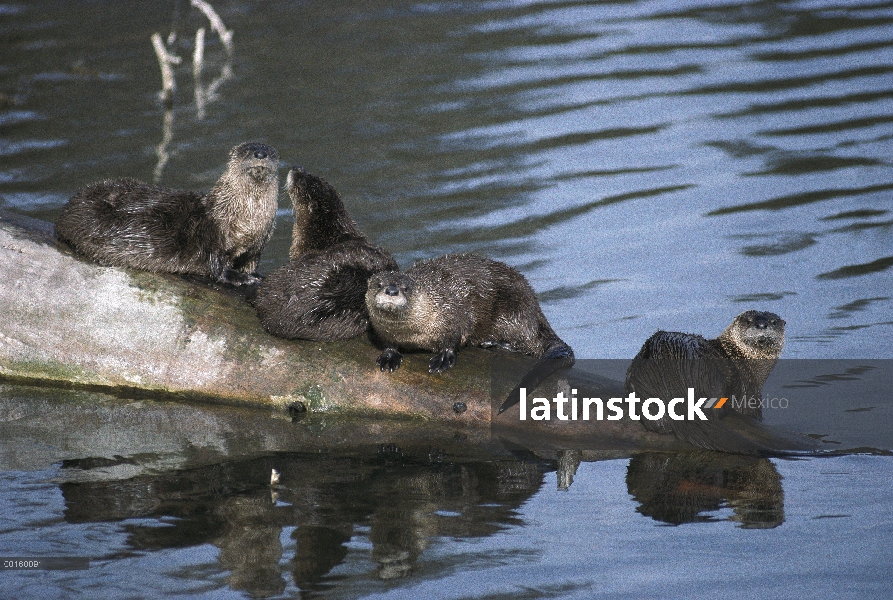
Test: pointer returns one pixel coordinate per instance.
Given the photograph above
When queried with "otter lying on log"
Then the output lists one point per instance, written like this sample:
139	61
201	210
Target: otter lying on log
219	234
463	299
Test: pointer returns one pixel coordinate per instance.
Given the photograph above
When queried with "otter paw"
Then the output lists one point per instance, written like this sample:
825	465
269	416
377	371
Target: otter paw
389	360
233	277
443	360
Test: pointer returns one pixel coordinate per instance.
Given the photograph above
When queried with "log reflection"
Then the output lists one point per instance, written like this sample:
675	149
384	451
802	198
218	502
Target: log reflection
396	504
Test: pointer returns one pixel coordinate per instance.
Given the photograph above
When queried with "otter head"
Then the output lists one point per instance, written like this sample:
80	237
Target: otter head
390	293
320	217
756	334
258	161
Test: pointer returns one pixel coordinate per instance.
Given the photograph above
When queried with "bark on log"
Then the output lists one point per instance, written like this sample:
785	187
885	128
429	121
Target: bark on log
69	322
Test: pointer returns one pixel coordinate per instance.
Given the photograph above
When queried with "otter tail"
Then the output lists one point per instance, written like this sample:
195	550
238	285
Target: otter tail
559	356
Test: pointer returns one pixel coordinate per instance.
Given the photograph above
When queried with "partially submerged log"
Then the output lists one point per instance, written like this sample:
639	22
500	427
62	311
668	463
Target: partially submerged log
69	323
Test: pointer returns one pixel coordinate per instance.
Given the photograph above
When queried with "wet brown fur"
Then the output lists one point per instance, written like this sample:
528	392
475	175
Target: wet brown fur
737	363
320	293
459	300
218	234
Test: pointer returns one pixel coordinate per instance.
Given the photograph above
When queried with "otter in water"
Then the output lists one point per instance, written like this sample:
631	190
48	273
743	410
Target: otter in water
320	293
460	300
219	234
736	364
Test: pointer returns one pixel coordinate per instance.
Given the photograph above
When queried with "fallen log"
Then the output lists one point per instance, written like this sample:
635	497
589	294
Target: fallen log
70	323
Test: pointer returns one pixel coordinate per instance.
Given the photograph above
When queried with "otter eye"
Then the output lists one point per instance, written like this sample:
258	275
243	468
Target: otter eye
260	154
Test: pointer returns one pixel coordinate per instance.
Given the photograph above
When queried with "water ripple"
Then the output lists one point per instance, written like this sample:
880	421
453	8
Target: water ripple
856	306
9	147
784	244
833	127
802	104
799	199
784	163
536	223
875	266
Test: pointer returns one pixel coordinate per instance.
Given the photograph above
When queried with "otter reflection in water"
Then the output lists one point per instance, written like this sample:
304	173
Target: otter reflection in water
681	488
404	502
387	509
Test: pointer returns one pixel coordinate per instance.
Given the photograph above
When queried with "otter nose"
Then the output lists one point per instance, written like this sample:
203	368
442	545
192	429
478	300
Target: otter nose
260	154
761	322
392	290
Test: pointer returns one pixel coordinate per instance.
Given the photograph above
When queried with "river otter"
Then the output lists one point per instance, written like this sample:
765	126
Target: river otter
320	293
736	364
459	300
220	234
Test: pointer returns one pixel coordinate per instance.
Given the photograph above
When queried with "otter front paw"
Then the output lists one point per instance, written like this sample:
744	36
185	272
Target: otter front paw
443	360
233	277
389	360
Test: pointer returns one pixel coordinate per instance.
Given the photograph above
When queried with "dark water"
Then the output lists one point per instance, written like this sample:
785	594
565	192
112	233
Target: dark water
647	165
176	500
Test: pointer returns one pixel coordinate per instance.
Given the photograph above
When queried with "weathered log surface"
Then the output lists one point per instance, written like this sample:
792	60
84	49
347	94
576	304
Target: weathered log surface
69	322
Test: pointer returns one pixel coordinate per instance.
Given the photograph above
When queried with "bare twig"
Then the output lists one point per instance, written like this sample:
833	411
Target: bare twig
226	36
203	95
199	53
165	60
226	73
161	150
197	58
